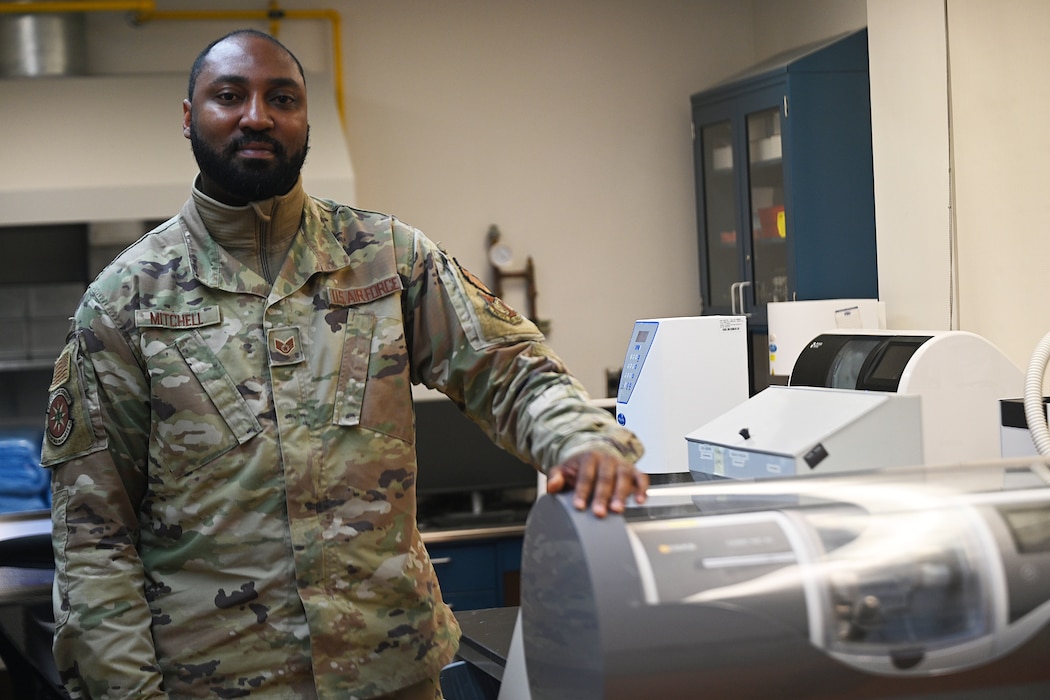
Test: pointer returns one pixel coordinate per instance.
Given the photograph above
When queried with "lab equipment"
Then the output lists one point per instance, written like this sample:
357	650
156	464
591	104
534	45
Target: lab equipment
678	373
959	376
796	431
1015	437
896	583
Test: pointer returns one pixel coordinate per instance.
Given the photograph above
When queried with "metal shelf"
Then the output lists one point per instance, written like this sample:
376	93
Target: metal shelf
28	364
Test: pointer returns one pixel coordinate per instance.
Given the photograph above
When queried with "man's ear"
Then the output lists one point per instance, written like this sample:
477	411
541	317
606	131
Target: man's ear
186	118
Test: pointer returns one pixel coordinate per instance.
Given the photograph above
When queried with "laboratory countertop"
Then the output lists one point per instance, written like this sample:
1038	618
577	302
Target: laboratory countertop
486	638
25	586
25	550
20	585
24	537
442	536
443	522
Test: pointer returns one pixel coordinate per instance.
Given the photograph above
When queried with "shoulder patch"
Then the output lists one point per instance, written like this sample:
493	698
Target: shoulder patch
68	430
493	305
59	416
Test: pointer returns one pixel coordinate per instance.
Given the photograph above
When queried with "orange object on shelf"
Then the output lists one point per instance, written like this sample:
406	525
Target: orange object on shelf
772	221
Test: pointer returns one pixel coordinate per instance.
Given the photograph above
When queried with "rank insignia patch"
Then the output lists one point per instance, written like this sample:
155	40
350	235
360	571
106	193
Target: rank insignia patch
59	416
284	346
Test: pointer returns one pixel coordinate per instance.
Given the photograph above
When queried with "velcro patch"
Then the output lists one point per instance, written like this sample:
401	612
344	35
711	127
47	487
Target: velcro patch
362	295
161	318
493	305
69	429
284	346
59	417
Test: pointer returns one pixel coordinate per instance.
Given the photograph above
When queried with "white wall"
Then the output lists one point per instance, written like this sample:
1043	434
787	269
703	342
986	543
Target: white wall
978	66
781	25
564	122
909	114
1000	97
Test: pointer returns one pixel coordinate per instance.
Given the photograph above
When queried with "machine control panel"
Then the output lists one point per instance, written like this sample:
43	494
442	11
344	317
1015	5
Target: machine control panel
641	340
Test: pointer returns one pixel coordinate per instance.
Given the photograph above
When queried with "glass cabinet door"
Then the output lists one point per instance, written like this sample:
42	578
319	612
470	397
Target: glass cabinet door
768	263
723	244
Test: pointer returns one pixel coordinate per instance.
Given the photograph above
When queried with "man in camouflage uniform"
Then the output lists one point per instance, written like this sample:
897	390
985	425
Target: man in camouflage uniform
230	427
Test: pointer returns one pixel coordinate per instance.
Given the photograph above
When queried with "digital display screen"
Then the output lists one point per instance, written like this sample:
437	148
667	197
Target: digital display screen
642	336
893	362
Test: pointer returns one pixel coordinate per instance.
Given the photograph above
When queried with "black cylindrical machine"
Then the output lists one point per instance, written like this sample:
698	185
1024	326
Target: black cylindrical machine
901	583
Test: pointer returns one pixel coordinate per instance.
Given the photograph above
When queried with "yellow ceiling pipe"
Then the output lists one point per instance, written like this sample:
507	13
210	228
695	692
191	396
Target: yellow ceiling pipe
146	11
26	8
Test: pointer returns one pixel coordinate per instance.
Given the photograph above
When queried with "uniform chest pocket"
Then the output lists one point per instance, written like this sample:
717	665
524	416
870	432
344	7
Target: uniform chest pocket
373	390
198	413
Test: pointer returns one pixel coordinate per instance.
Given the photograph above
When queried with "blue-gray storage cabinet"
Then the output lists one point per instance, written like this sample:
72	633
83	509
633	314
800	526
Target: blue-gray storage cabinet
784	185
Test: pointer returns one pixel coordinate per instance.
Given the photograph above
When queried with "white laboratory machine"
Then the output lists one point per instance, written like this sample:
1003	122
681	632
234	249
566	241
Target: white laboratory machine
792	324
788	431
678	373
859	399
959	376
1015	438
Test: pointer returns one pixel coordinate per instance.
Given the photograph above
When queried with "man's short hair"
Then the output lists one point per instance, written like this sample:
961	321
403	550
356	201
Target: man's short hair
198	63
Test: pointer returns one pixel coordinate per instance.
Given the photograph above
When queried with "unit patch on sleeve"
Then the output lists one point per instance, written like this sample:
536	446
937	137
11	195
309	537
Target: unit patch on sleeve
493	304
68	429
60	402
59	417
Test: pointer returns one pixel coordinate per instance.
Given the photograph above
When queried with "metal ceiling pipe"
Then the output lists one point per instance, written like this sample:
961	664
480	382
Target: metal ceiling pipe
35	44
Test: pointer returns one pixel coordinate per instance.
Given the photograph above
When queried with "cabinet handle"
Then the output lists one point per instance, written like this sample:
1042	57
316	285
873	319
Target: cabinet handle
733	288
437	561
742	305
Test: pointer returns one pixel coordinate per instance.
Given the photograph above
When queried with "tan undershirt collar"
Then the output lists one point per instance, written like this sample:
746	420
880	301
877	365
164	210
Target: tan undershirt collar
248	232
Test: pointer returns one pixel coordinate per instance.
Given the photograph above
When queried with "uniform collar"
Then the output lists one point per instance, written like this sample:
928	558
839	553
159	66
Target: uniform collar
213	228
236	227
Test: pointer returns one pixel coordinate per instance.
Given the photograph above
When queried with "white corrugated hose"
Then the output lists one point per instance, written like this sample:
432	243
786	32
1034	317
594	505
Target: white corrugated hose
1034	413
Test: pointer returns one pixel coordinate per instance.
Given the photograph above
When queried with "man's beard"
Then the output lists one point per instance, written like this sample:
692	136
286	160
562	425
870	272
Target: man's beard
249	180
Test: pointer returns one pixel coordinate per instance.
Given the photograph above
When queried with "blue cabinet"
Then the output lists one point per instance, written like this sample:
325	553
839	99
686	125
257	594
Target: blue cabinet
784	185
477	574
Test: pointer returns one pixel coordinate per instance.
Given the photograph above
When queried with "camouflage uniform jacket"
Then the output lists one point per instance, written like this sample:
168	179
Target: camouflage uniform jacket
233	461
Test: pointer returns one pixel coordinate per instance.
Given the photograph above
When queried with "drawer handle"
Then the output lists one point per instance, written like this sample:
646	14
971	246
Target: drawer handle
441	560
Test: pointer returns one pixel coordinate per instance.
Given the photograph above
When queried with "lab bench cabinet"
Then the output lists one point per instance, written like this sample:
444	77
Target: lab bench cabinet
477	574
784	185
